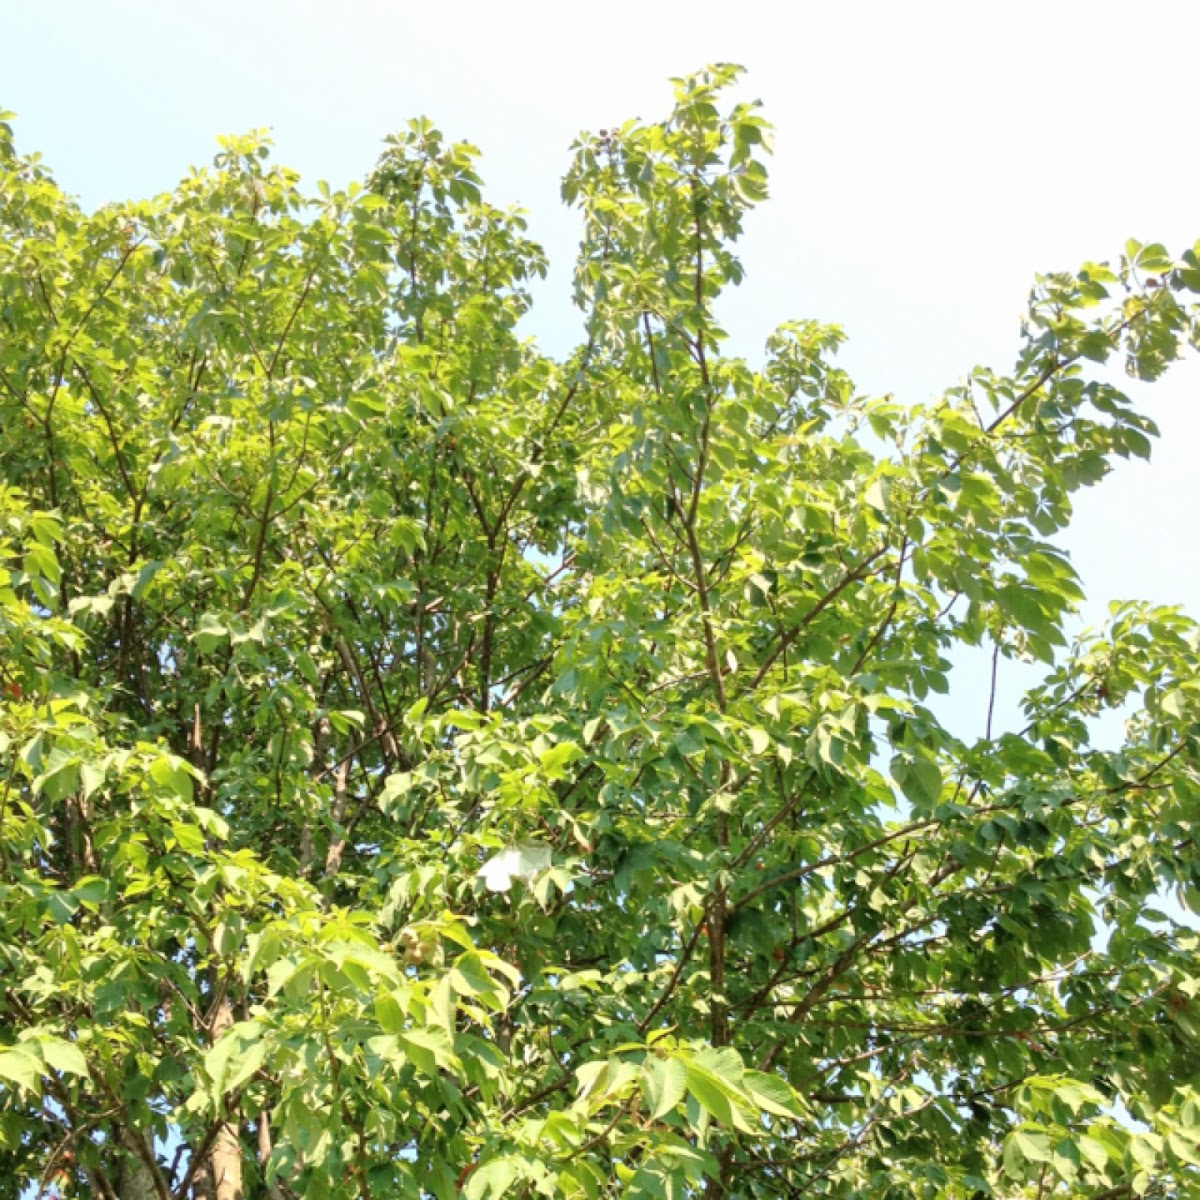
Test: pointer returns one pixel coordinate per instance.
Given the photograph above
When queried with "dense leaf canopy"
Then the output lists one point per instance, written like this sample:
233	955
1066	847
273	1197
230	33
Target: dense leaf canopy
430	768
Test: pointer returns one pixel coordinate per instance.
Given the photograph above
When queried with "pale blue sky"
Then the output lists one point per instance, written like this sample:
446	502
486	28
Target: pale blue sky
930	159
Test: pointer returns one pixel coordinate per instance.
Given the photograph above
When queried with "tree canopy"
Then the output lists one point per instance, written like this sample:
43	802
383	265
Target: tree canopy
431	768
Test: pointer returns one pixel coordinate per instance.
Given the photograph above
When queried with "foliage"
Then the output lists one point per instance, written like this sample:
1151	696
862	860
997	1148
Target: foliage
428	768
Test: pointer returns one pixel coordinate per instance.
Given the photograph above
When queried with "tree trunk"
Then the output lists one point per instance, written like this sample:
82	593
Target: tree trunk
274	1192
135	1180
220	1178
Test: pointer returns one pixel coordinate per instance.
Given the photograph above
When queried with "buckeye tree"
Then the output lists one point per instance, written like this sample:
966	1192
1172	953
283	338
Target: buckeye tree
430	767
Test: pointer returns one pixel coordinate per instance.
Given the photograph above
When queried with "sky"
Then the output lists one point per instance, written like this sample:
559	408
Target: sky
931	158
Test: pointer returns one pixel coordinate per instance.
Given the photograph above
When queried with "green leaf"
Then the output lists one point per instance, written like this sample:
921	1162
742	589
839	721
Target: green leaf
388	1013
63	1055
711	1095
760	740
771	1094
20	1068
429	1050
876	495
91	890
188	837
689	741
920	780
91	778
714	1079
558	756
1023	1147
210	633
236	1056
664	1081
493	1180
174	775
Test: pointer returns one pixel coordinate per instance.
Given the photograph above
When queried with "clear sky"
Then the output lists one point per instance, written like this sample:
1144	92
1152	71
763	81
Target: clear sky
930	159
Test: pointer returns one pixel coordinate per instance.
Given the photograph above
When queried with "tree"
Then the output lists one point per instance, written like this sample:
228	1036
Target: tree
433	769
